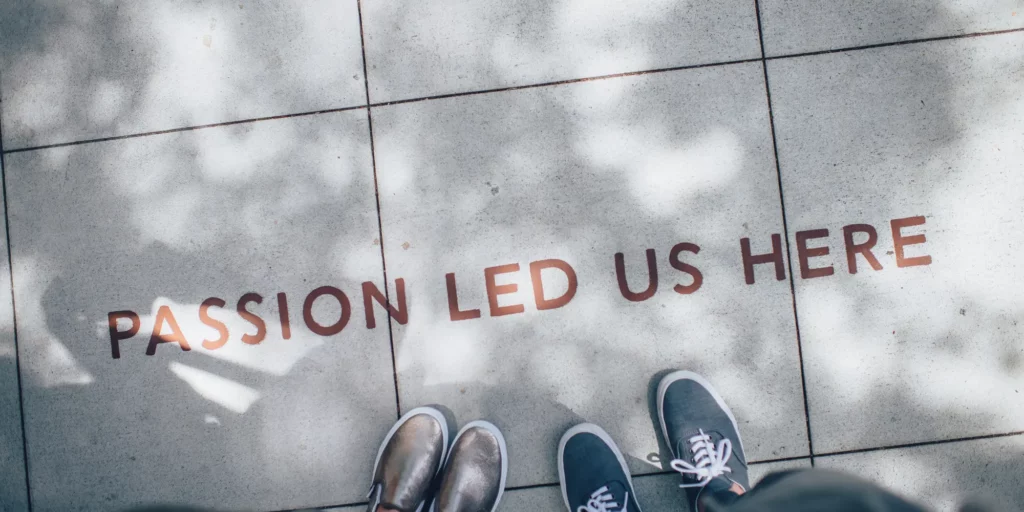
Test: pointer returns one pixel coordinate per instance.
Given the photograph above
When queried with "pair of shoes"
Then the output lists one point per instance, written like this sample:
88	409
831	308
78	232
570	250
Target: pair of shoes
699	430
415	452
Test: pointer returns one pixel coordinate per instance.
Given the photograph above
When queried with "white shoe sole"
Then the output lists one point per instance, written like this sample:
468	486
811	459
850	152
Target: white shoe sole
590	428
502	448
679	375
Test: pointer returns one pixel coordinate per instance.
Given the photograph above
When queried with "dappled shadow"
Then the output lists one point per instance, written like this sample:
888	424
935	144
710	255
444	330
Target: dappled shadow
305	202
74	71
582	172
915	130
577	172
485	45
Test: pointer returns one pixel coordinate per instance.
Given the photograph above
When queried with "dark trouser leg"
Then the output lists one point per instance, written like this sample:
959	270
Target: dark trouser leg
808	490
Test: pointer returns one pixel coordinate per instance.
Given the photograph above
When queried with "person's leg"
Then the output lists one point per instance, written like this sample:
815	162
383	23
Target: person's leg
701	432
593	473
811	490
702	435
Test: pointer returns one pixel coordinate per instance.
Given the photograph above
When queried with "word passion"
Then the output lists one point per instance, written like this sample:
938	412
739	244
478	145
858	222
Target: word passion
400	313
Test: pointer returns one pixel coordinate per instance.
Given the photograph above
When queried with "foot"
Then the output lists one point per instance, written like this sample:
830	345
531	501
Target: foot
408	460
701	432
474	474
593	473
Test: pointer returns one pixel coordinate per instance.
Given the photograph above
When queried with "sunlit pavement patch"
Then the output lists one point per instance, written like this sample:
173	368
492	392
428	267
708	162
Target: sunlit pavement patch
796	26
931	351
86	70
425	48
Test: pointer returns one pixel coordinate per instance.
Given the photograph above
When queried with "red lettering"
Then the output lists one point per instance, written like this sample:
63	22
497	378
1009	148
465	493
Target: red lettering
900	241
773	257
538	284
804	253
864	249
493	290
370	291
115	335
163	314
673	259
261	327
307	311
453	302
652	277
204	317
282	313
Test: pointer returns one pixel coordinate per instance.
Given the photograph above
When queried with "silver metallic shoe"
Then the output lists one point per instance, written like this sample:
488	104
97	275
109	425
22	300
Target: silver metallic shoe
408	460
475	471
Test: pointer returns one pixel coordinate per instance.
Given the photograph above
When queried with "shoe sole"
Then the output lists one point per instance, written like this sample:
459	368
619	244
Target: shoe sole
429	411
488	426
679	375
590	428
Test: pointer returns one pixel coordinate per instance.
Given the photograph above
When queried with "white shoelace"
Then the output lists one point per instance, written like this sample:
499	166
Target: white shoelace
602	501
709	461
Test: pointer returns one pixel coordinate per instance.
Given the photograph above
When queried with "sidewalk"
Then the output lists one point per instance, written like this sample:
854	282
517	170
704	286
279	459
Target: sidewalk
245	236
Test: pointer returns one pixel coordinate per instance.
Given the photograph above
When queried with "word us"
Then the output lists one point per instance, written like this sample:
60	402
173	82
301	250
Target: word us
165	319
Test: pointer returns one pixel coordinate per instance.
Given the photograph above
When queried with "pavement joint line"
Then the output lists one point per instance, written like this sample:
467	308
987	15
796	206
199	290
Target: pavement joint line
785	234
14	322
752	463
562	82
921	443
182	129
657	473
511	88
380	222
755	463
316	509
895	43
808	457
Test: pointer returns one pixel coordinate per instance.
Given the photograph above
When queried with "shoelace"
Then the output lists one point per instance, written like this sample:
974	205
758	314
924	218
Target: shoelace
602	501
709	461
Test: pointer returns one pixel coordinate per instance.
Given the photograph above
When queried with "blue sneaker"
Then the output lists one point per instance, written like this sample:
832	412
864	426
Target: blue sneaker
593	473
701	432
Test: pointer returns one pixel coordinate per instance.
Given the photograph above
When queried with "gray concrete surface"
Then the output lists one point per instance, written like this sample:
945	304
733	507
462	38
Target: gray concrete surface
797	26
13	494
921	352
171	220
581	172
945	476
417	48
578	172
83	70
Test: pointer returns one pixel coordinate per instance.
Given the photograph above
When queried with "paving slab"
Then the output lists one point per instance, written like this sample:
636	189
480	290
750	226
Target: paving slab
417	48
924	145
655	493
13	493
262	412
947	475
83	70
796	26
482	187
